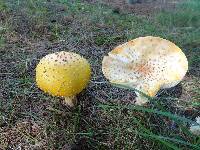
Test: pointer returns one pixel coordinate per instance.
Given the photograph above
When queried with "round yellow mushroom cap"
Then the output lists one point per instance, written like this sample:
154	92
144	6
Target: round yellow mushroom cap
146	64
63	74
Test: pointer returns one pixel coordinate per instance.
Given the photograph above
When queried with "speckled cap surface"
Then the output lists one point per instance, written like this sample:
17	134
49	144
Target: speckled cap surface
63	74
147	64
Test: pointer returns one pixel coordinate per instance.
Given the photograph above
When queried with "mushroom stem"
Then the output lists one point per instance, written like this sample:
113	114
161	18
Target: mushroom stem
70	101
141	100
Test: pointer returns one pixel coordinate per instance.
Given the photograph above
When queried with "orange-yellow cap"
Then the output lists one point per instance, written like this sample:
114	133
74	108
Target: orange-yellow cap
63	74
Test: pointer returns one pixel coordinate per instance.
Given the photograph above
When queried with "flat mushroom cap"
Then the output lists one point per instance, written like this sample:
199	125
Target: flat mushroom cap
62	74
146	64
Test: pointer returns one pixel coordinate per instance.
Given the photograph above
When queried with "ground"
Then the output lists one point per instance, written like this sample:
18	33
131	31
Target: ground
143	7
105	117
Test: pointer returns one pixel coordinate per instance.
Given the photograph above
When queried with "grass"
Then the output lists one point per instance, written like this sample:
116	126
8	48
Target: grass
105	117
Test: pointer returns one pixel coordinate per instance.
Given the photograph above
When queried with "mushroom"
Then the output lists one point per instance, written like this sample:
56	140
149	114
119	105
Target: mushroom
63	74
146	64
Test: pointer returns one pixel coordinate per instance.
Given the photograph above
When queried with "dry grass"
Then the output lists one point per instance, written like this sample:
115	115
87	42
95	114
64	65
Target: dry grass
105	117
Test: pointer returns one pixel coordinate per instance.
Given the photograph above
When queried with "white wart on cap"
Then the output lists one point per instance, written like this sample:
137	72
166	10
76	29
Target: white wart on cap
146	64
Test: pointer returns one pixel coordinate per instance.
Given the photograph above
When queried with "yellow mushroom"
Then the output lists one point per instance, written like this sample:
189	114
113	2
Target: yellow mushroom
63	74
146	64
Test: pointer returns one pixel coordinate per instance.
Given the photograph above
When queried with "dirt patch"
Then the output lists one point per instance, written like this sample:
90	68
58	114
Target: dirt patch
27	135
142	7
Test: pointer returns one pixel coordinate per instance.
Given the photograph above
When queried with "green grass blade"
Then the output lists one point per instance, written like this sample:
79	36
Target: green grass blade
148	110
169	139
168	144
163	113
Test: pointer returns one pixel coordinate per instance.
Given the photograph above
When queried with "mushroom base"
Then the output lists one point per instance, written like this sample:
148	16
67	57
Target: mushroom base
70	101
141	100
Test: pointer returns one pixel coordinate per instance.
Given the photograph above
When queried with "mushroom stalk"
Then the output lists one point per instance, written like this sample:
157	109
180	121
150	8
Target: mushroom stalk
70	101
